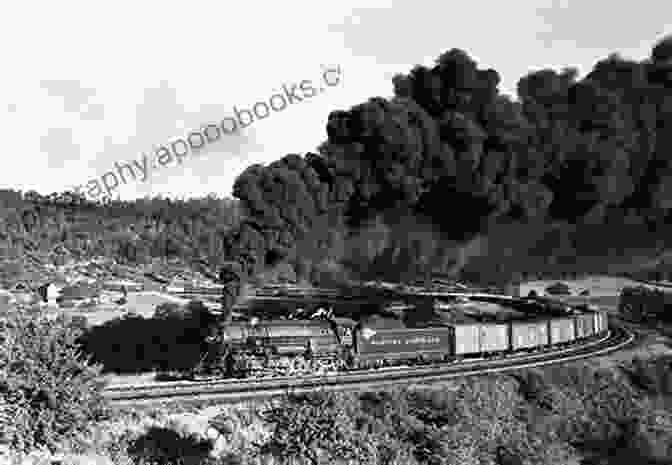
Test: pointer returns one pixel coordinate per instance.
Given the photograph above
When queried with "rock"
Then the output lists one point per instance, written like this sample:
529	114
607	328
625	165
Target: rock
189	424
224	424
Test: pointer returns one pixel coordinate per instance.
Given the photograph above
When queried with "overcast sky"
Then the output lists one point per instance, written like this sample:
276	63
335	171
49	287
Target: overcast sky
88	84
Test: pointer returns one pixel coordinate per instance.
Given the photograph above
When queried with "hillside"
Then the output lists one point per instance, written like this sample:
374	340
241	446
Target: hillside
448	175
33	227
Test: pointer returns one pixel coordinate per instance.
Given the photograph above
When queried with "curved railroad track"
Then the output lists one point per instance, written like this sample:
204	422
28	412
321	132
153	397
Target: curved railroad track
249	389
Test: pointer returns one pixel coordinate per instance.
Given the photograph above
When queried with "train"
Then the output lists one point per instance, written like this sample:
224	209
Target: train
288	347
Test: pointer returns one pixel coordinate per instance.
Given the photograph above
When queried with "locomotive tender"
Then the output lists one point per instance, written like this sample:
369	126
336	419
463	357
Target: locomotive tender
321	346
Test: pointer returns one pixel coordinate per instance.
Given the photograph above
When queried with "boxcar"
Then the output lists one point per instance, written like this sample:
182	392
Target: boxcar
402	343
495	337
561	330
597	323
600	322
584	325
467	339
529	335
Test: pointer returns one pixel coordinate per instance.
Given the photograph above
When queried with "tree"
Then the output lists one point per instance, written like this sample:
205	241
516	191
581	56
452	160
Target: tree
168	310
51	389
313	426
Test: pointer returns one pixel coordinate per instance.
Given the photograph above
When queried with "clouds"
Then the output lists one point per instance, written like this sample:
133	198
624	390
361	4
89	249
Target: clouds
75	98
60	148
227	136
126	77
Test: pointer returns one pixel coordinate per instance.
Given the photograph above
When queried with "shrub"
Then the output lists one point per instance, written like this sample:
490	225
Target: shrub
653	376
173	340
313	426
161	445
50	390
603	411
122	344
168	309
471	423
491	418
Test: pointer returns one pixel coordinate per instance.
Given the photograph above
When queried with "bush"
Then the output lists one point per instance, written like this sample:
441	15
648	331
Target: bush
164	445
654	376
475	422
311	426
491	419
50	390
174	339
167	310
602	411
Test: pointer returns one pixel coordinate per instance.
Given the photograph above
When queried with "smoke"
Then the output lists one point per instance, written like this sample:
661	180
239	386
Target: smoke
473	248
413	184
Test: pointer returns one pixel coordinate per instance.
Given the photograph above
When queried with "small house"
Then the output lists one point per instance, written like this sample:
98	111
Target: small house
558	289
49	292
61	256
24	293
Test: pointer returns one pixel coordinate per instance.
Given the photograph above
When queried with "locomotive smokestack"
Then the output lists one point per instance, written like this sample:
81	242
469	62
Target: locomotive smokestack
231	275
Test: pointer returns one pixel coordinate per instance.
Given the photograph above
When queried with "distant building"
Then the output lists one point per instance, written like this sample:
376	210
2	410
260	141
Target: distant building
49	292
558	289
21	287
61	256
512	289
24	294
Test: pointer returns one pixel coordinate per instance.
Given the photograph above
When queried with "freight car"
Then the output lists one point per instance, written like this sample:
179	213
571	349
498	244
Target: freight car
376	348
532	335
561	330
381	346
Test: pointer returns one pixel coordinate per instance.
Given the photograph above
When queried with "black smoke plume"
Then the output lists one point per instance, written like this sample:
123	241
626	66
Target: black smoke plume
415	183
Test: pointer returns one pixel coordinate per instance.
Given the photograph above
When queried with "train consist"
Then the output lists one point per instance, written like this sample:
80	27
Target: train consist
286	347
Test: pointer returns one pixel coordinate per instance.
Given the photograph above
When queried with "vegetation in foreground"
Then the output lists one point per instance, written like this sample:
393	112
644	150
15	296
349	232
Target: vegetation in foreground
48	391
558	415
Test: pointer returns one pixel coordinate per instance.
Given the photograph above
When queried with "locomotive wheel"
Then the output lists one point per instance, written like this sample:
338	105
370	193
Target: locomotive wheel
341	365
325	367
298	366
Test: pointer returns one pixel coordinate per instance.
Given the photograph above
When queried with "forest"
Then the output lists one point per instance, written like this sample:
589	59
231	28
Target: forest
448	175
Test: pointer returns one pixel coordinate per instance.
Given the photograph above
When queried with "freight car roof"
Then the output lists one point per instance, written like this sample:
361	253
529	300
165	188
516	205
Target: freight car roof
377	321
316	322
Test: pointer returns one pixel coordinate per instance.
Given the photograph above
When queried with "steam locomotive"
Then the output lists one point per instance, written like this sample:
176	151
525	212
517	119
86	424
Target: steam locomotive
285	347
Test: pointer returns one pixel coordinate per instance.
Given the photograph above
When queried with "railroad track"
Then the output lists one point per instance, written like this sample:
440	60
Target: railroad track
240	390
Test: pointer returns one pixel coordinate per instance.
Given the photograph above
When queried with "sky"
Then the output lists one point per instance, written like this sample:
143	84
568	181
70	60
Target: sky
86	85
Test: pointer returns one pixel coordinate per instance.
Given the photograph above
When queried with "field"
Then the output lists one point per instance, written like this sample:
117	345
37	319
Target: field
142	303
599	286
